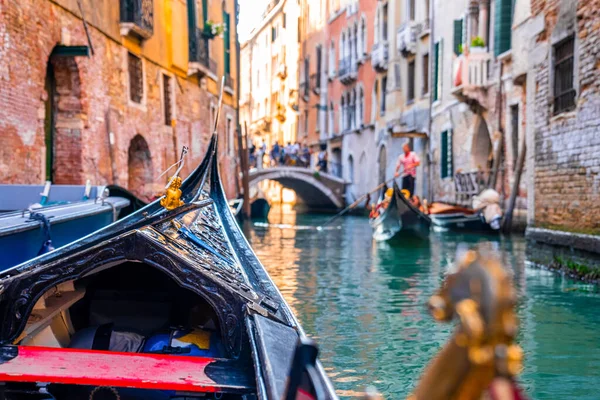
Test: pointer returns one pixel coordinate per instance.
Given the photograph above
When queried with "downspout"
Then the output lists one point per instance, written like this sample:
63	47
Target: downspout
430	188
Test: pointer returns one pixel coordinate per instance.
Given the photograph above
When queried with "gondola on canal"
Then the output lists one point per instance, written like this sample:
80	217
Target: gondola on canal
34	219
398	217
169	302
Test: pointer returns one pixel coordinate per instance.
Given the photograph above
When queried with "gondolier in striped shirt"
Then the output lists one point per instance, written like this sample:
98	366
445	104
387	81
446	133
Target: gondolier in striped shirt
409	161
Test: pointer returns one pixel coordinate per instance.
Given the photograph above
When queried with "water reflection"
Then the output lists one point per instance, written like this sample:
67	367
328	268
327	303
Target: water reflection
365	304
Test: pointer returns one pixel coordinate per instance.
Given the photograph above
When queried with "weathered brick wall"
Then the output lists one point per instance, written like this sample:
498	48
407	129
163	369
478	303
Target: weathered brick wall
92	100
567	146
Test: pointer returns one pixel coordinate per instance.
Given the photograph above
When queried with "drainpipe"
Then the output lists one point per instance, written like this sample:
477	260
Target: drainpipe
430	185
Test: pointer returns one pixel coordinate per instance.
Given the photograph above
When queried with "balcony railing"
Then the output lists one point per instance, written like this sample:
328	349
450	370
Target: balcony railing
137	18
470	75
347	71
380	56
423	27
199	55
406	38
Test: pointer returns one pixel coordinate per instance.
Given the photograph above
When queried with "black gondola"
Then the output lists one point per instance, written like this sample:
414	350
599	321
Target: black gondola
163	303
399	216
457	218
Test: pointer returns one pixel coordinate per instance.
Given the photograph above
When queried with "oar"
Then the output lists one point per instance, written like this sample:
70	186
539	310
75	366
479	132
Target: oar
357	202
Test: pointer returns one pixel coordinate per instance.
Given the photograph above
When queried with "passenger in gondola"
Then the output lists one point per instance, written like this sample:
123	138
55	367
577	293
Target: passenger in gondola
381	206
409	161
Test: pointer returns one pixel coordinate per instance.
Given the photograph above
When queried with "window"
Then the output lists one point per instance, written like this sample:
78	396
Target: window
383	93
503	26
437	69
361	106
458	36
411	11
331	119
397	75
229	133
343	114
514	127
167	100
284	20
377	28
564	90
385	22
305	122
350	169
425	74
446	164
363	38
273	34
410	96
319	62
332	59
136	78
227	43
374	98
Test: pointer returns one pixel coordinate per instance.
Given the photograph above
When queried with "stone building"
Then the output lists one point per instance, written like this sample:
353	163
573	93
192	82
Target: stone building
269	76
111	91
562	75
478	123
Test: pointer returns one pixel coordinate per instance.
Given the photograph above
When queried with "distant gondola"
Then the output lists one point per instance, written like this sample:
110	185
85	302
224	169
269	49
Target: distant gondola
399	216
447	217
170	302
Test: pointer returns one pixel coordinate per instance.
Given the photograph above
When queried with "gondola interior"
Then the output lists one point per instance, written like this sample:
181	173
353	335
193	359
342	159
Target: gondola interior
132	307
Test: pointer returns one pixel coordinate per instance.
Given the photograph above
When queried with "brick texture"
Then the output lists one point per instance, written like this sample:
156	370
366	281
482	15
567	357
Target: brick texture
567	146
91	101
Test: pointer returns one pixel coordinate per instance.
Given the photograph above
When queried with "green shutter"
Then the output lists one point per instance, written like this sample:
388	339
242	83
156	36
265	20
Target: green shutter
503	26
227	41
458	36
205	10
444	155
446	161
436	65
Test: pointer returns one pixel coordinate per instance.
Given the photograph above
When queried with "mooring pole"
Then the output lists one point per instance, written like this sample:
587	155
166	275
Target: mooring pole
243	154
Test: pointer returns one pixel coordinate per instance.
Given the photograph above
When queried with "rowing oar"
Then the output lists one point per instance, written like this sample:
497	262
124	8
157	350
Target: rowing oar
357	202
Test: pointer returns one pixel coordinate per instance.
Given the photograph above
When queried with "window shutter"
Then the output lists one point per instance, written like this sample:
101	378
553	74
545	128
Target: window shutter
502	26
205	10
227	42
436	58
444	155
458	36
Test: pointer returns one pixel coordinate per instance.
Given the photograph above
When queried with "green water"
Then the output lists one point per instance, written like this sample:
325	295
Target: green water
364	304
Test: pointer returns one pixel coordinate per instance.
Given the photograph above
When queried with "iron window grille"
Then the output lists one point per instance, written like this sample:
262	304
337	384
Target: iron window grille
136	78
564	90
167	100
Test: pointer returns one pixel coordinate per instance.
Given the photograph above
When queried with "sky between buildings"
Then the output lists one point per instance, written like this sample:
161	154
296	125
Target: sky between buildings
250	14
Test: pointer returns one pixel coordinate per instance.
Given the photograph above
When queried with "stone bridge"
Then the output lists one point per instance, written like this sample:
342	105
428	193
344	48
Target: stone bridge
315	189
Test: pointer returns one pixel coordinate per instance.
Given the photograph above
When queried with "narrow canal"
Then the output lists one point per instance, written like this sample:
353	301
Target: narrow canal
364	303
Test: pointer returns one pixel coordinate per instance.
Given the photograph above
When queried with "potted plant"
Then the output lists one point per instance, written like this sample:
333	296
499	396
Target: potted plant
212	29
477	44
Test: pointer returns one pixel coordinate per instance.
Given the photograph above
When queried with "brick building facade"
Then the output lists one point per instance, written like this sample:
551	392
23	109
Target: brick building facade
564	77
122	114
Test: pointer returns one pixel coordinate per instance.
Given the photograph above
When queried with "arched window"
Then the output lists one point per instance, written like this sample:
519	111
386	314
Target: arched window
353	121
361	107
355	46
342	50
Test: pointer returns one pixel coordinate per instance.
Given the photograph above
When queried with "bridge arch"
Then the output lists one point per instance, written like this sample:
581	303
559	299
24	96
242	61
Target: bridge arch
317	190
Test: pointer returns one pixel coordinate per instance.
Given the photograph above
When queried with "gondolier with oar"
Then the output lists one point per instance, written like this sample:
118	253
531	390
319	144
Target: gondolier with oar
409	161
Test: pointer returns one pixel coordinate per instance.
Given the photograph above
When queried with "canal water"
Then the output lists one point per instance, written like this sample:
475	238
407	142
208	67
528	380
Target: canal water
364	303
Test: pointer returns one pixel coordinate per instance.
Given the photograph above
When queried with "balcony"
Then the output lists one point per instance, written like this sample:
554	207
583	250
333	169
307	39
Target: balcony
347	71
380	56
199	56
470	73
423	28
137	18
406	39
315	83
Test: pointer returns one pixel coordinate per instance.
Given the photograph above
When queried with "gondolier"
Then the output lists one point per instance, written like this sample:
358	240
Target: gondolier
409	161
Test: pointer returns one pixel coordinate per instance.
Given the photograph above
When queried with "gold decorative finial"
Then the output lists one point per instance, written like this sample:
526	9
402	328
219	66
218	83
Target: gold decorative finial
172	198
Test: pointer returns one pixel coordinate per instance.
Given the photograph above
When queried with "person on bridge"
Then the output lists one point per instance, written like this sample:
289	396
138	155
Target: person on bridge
409	161
275	154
